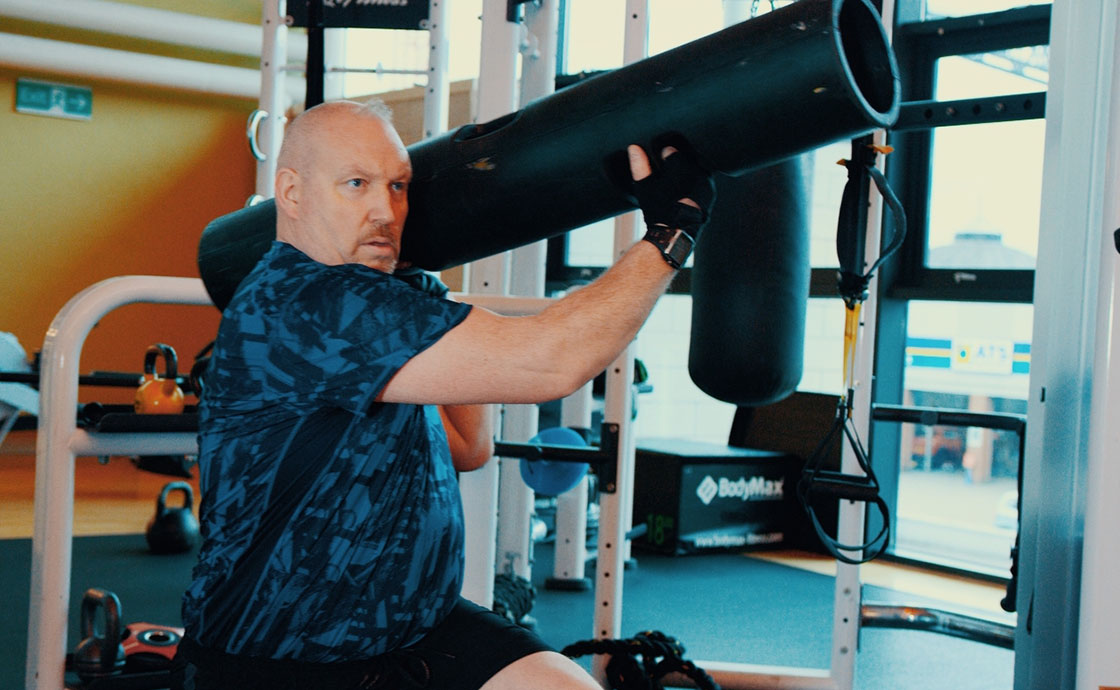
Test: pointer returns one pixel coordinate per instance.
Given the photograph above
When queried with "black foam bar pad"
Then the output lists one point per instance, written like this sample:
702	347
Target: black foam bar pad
750	95
750	287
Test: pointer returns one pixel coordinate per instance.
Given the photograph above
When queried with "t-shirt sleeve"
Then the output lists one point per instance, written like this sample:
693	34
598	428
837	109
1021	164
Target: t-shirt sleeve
346	337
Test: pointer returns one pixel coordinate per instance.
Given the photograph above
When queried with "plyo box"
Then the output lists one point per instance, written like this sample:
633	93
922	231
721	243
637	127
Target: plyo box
694	496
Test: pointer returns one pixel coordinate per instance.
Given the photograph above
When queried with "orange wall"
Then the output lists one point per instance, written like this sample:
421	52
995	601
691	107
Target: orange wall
127	192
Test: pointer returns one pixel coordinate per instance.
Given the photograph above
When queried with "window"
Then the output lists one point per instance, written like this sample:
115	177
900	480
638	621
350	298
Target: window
398	59
955	311
964	356
930	9
985	193
994	73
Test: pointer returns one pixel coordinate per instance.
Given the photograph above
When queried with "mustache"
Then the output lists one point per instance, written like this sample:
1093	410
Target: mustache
383	234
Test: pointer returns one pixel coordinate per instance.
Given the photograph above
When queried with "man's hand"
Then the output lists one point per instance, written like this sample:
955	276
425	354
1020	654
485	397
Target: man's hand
678	181
639	161
676	198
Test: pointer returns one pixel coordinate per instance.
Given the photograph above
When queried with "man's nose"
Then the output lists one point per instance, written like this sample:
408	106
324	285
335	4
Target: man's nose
381	208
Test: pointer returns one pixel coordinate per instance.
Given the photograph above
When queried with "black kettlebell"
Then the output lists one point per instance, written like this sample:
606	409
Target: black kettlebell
173	530
99	654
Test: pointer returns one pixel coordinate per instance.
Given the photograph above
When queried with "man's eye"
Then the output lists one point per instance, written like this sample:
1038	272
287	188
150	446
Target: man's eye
356	182
399	186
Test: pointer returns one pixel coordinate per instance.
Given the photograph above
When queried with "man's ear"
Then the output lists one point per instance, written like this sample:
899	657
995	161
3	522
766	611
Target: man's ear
287	192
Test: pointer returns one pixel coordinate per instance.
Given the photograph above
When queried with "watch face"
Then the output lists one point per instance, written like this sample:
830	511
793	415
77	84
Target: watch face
680	246
675	245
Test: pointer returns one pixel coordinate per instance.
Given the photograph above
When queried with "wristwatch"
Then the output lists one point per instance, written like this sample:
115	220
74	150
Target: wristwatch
675	244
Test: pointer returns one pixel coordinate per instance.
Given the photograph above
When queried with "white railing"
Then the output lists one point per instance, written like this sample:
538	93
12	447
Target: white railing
59	442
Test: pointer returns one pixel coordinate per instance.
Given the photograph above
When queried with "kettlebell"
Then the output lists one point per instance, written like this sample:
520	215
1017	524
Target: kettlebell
99	655
173	530
159	395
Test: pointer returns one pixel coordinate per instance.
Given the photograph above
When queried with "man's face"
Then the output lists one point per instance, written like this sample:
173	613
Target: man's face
355	192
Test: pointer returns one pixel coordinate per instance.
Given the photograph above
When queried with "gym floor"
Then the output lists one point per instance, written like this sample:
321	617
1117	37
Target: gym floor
118	499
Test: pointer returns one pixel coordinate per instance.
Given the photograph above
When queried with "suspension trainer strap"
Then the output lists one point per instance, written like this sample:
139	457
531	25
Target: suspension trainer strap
852	285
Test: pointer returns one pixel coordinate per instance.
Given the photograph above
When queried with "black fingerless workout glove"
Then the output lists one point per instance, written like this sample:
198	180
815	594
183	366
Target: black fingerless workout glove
673	226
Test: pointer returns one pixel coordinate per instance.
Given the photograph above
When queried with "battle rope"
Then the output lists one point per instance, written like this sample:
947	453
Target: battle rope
853	288
660	655
513	596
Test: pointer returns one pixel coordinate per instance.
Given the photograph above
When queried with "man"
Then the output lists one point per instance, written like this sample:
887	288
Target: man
332	529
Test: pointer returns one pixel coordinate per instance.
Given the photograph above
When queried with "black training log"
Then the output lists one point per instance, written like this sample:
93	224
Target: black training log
751	95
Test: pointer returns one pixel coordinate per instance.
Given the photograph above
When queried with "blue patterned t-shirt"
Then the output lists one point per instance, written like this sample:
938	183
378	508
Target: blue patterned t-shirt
332	525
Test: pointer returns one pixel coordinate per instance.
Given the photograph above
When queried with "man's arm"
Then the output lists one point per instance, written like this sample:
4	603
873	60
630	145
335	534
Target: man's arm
530	359
470	433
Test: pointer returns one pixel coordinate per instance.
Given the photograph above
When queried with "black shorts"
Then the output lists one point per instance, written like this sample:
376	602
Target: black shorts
463	652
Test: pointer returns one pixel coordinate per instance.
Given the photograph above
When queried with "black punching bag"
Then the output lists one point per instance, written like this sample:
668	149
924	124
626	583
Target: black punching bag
750	287
748	96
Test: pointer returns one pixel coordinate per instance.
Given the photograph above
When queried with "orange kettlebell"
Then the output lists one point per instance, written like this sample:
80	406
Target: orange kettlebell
159	395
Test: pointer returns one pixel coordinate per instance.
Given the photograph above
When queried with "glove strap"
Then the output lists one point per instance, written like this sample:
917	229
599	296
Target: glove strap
675	245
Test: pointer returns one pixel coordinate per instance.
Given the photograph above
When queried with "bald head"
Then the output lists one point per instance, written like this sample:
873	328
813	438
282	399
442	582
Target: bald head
342	185
298	149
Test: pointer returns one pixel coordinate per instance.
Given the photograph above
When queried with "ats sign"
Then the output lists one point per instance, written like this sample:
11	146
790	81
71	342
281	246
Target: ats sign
365	14
983	356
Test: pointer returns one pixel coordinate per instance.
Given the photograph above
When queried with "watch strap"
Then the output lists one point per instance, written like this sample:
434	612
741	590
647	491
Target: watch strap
675	244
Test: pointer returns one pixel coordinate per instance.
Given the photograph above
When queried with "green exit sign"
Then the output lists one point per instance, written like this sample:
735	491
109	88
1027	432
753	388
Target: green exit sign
54	100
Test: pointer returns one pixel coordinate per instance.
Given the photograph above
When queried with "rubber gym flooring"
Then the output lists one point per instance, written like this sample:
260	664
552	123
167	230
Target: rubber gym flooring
725	607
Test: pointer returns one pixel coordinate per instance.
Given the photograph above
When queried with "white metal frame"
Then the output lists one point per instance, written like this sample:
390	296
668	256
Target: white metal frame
569	560
1068	548
437	100
266	124
165	26
59	442
536	43
1098	627
489	276
615	509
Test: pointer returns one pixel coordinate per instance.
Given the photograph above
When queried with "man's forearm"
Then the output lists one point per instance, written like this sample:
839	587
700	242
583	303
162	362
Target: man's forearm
530	359
470	434
598	320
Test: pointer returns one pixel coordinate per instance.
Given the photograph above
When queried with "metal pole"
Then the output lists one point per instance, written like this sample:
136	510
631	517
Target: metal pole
570	558
614	515
527	267
265	139
496	96
56	448
126	19
437	96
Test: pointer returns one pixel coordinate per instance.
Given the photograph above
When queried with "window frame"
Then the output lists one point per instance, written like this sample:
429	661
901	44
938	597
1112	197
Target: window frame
905	277
918	46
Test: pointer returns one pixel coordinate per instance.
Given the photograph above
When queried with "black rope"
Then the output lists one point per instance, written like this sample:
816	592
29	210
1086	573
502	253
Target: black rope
659	656
513	596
